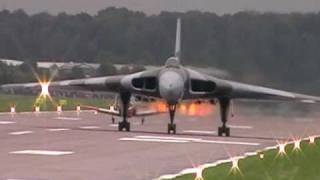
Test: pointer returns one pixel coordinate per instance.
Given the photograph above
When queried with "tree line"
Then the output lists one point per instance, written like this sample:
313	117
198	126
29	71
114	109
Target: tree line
280	50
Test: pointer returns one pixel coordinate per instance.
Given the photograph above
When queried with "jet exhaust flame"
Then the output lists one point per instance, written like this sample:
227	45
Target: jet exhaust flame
186	108
195	109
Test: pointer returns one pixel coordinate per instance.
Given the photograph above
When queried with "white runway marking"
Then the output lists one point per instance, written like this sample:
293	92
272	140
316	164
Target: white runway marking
199	132
7	122
43	152
89	127
228	142
153	140
58	129
185	140
303	120
117	125
68	118
21	133
240	127
167	137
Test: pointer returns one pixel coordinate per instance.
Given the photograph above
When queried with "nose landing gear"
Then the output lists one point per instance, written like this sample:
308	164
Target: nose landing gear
125	100
171	126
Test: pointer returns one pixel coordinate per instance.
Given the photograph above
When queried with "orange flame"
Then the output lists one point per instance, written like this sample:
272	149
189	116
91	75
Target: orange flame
195	109
187	108
159	106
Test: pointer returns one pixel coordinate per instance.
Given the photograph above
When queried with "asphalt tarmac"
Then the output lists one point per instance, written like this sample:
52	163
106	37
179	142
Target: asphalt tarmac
86	146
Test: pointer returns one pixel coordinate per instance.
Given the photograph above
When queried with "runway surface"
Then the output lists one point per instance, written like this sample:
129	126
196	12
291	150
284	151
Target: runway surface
51	146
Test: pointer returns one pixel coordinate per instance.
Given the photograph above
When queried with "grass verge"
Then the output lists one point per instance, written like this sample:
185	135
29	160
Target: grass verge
26	103
301	164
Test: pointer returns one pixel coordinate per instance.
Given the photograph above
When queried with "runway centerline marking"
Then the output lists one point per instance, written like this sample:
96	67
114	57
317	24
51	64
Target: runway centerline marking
68	118
58	129
185	140
240	127
42	152
20	133
7	122
199	132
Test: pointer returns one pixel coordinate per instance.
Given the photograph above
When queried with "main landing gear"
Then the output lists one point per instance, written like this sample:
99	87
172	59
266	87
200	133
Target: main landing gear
171	126
224	111
125	100
113	120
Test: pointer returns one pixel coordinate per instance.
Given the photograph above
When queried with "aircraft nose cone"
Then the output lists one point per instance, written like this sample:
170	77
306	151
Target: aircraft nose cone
171	86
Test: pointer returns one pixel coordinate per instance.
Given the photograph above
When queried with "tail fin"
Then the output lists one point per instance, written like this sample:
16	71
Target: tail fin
177	51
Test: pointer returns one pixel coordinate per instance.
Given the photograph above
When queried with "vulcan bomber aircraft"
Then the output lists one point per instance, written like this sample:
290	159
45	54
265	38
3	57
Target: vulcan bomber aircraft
174	83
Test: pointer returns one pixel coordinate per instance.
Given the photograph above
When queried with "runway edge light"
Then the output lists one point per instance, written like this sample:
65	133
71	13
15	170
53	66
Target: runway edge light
297	145
59	108
199	174
36	109
312	139
13	109
78	108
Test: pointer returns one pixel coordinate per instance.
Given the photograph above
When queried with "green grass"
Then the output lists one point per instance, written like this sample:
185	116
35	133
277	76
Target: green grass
297	165
26	103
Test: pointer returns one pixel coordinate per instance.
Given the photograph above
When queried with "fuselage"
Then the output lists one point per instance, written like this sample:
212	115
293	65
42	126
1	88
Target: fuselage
171	84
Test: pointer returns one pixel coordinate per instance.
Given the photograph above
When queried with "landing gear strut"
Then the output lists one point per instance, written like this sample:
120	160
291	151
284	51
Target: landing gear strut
171	125
113	120
224	111
125	100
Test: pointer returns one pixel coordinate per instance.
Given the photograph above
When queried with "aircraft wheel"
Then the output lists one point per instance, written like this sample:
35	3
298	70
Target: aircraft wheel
227	132
220	131
224	131
124	125
127	127
172	128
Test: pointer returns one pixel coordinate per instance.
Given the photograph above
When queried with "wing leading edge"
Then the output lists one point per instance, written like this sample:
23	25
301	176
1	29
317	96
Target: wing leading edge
246	91
107	83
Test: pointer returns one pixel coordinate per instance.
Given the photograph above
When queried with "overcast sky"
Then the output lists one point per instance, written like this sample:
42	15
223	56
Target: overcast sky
155	6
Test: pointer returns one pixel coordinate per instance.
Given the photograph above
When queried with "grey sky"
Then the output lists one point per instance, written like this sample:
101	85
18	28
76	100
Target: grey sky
155	6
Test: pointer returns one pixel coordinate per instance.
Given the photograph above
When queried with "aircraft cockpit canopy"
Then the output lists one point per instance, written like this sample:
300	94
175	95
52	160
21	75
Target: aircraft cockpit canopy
172	62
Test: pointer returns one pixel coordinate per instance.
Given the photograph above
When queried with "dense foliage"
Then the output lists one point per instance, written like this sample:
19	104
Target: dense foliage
254	47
